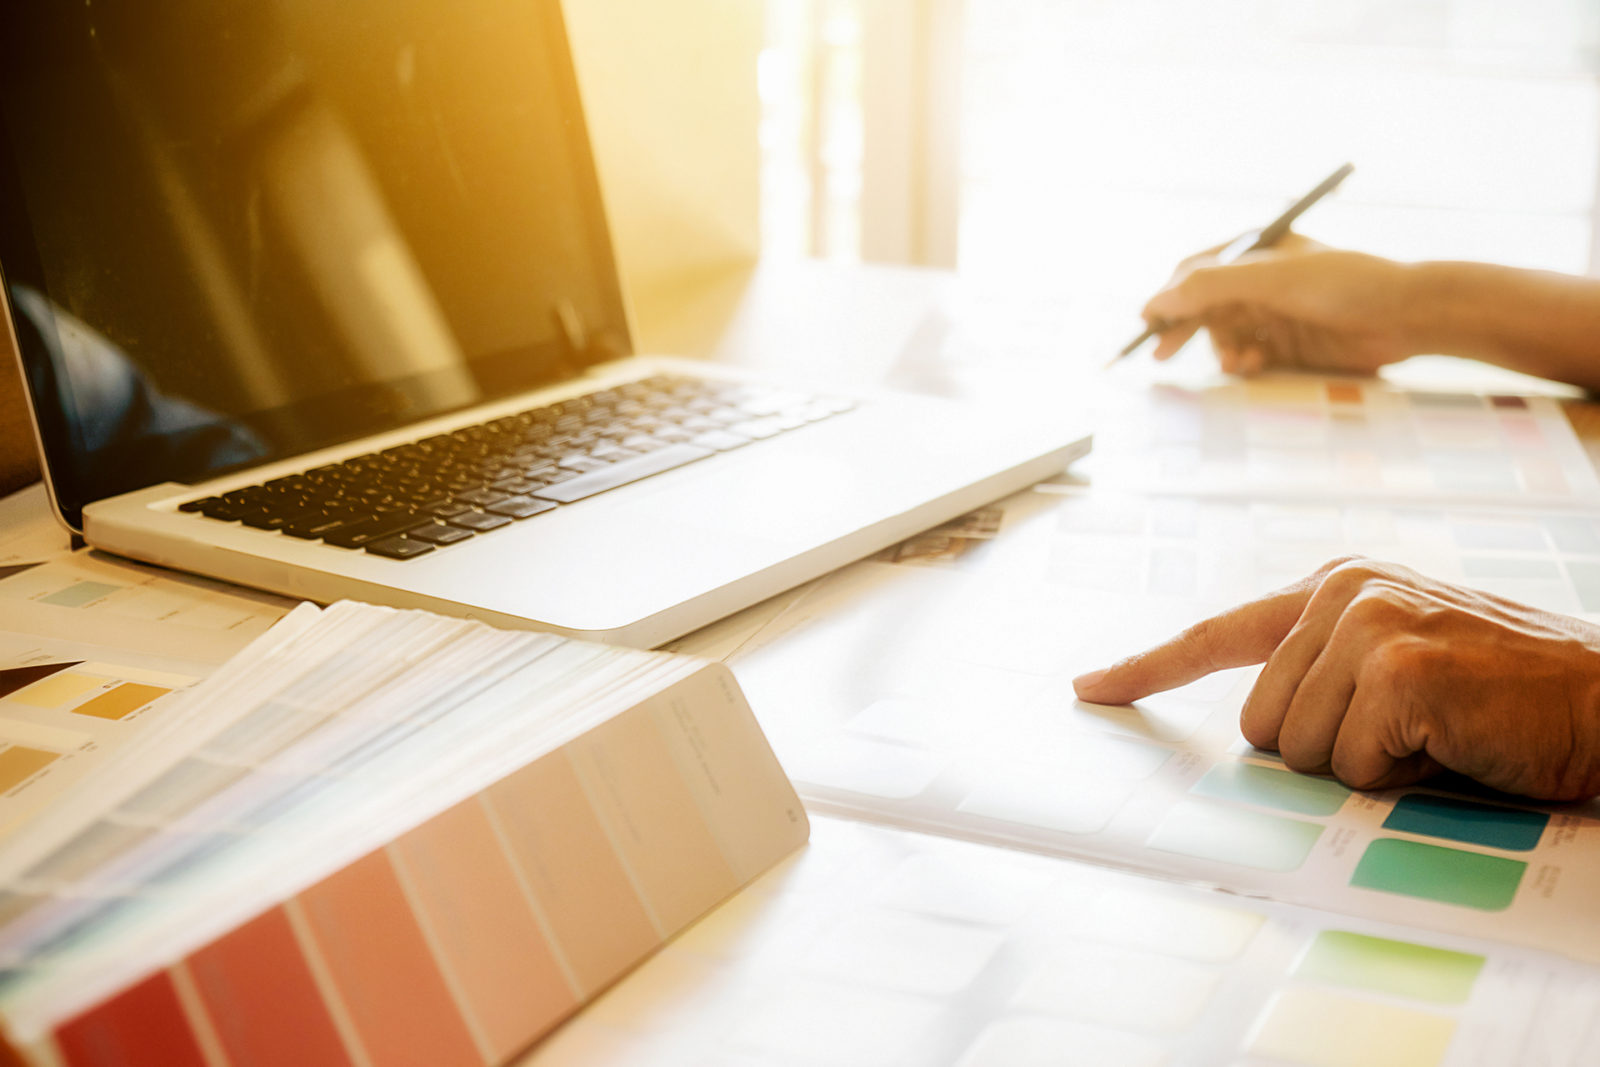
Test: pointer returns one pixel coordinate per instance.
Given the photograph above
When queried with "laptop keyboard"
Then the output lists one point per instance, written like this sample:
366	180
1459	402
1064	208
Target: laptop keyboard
409	500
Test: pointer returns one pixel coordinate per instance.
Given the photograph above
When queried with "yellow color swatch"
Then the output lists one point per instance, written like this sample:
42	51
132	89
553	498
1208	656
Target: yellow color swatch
1330	1030
56	690
122	701
18	764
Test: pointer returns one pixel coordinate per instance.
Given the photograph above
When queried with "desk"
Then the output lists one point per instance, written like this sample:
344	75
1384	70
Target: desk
885	944
919	697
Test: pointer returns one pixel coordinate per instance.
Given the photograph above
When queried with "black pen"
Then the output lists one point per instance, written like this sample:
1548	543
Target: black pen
1253	241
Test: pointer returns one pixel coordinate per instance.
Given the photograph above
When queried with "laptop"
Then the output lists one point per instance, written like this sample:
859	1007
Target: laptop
320	299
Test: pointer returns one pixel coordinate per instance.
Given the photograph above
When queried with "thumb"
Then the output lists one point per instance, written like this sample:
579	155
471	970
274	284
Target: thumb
1236	638
1257	279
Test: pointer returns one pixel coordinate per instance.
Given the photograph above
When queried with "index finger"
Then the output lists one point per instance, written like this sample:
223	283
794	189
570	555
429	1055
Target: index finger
1235	638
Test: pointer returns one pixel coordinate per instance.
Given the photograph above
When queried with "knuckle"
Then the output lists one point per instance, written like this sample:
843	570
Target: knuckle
1258	734
1354	572
1340	561
1195	644
1397	660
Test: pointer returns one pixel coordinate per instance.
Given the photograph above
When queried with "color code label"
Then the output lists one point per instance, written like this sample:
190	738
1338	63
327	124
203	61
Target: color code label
1421	972
1447	875
1468	821
1270	787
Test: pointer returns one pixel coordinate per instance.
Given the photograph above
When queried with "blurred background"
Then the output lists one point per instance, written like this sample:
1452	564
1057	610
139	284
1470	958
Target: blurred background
1078	148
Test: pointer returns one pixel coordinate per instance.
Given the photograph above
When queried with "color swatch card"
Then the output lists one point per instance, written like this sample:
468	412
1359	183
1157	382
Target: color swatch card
423	839
1336	438
880	948
85	596
935	692
62	720
1216	552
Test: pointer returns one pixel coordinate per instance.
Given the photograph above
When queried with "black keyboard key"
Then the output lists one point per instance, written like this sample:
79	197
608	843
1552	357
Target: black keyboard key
628	470
520	507
228	512
316	526
519	486
440	534
401	547
479	521
266	520
482	477
481	497
358	535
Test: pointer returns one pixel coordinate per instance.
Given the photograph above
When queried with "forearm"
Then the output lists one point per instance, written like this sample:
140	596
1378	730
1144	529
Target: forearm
1537	322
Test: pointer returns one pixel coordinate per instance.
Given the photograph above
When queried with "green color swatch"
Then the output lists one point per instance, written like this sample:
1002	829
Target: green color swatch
78	594
1272	787
1468	821
1447	875
1398	967
1235	835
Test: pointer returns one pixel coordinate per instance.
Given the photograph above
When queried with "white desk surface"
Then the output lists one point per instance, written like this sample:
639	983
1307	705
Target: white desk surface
881	945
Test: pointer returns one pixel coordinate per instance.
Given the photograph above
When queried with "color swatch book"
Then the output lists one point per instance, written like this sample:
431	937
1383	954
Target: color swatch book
881	948
382	837
930	688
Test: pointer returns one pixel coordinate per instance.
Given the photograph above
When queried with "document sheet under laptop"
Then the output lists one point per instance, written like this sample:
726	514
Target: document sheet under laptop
321	299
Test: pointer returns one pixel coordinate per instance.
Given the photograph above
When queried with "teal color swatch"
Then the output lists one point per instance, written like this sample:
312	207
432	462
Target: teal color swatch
1272	787
1468	821
1433	872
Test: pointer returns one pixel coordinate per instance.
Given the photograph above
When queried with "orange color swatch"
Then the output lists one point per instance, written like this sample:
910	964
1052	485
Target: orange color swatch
251	981
144	1026
383	970
484	928
561	850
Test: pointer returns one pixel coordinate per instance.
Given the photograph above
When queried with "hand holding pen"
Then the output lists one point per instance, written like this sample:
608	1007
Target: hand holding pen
1268	236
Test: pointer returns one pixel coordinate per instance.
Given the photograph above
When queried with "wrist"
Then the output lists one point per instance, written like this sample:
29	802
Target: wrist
1442	308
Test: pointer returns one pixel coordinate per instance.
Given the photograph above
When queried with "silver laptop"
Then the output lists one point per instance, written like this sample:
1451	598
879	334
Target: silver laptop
320	298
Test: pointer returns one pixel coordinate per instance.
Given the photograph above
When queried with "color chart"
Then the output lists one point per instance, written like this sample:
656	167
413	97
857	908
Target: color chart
435	839
1217	552
882	949
88	597
1340	439
60	719
936	694
145	594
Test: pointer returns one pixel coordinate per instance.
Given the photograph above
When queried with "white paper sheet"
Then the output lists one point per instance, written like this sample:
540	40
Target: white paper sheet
879	948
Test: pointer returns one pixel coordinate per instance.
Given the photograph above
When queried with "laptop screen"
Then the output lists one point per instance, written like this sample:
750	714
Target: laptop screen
234	231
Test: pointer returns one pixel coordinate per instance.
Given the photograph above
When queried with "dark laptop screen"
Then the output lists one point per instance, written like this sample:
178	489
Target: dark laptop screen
235	231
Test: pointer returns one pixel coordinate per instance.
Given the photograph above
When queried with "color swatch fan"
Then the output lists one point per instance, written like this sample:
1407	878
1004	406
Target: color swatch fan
376	836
